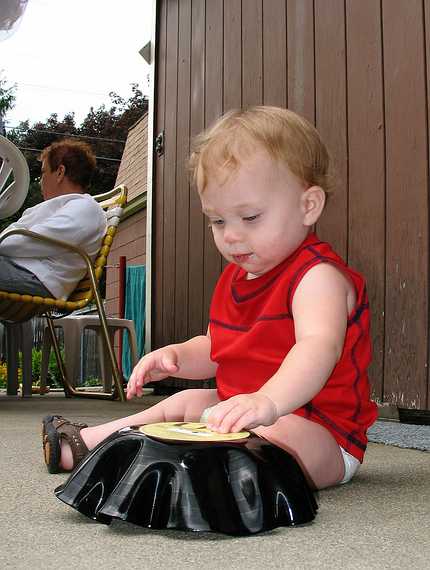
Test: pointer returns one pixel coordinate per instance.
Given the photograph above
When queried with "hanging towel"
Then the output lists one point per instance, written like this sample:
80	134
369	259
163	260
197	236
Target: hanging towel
135	311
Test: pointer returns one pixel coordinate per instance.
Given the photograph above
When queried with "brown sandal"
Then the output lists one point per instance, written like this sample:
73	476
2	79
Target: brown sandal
56	428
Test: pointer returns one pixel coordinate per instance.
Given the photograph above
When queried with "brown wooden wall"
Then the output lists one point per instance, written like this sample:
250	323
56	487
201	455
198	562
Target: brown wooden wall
358	69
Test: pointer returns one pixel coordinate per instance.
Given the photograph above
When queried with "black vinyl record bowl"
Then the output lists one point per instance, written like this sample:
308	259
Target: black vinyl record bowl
236	489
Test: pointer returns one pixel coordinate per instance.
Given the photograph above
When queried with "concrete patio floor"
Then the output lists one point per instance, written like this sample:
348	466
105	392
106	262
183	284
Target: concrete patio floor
380	520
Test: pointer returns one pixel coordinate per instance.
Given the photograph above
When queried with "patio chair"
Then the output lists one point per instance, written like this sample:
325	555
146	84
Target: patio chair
16	307
74	328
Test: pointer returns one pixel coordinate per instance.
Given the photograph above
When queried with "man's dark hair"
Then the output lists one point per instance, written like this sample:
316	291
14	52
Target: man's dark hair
77	157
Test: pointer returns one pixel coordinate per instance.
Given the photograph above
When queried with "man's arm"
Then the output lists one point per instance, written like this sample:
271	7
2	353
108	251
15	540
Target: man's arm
73	223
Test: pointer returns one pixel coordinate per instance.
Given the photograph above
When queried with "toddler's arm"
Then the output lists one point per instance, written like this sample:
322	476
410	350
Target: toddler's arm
190	359
321	305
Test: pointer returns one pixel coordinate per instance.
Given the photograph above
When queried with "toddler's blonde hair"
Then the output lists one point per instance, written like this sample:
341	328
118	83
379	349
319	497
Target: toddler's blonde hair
284	135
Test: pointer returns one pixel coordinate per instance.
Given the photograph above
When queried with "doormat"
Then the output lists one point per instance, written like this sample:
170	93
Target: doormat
400	435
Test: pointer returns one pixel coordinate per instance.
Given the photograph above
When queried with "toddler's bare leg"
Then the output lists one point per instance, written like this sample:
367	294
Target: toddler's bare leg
312	445
187	405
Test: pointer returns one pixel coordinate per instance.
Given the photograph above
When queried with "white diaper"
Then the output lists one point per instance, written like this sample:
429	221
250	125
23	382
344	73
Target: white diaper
351	466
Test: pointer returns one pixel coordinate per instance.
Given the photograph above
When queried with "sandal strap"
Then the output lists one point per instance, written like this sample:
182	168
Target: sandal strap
61	421
70	432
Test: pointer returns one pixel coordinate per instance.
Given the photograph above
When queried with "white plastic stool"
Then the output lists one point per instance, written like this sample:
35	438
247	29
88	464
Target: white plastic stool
73	329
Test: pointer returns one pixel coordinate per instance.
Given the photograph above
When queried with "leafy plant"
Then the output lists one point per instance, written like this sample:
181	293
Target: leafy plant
91	382
7	95
3	375
54	376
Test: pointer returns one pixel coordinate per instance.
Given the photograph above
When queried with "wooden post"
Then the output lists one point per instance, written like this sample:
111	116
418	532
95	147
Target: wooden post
121	303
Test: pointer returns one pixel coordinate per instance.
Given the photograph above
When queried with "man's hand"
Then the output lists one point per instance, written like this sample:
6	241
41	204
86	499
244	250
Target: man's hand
154	366
243	411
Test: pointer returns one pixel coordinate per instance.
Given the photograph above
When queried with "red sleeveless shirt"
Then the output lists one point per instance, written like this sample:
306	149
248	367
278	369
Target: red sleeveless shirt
252	330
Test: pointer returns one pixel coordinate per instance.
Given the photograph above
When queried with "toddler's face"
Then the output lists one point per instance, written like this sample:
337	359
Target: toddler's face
258	216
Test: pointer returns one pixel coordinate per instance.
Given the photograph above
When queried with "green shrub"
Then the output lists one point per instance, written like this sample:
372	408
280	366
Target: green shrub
36	364
54	376
3	375
91	382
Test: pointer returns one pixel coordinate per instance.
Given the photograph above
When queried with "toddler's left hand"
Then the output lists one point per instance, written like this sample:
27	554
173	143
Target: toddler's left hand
244	411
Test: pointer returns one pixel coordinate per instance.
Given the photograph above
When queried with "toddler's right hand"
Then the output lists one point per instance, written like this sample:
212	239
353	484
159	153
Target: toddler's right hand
154	366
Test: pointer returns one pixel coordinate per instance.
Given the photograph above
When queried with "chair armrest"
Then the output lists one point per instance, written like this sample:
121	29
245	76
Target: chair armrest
117	196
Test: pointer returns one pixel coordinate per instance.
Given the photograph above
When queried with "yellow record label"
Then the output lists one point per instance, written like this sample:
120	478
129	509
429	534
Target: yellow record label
189	431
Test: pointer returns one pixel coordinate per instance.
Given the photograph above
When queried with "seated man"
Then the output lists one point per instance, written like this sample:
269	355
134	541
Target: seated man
34	267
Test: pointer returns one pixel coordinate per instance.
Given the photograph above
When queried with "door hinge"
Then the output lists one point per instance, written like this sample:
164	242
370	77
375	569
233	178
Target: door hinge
159	144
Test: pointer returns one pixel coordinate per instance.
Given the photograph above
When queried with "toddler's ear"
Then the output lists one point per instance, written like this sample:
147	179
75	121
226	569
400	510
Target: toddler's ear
313	200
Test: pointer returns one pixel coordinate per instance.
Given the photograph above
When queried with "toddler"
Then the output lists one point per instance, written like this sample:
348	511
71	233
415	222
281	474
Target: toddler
288	338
